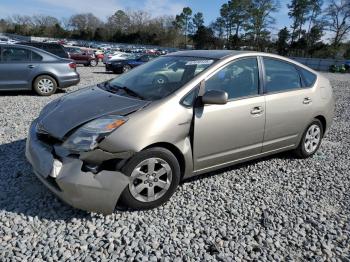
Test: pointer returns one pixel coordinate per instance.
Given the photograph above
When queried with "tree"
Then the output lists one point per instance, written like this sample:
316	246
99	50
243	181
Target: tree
282	42
218	27
183	22
119	21
337	15
260	21
198	21
3	25
298	12
204	38
85	25
234	15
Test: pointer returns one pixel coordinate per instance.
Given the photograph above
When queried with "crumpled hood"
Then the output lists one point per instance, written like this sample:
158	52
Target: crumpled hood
72	110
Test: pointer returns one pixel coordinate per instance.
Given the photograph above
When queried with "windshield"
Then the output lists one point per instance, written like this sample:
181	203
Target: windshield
160	77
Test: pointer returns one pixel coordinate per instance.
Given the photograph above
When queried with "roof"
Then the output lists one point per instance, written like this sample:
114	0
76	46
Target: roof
211	54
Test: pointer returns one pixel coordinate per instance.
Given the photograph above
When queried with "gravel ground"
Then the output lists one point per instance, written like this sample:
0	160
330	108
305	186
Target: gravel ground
278	208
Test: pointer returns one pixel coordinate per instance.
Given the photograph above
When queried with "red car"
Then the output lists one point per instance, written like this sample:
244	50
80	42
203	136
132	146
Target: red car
82	56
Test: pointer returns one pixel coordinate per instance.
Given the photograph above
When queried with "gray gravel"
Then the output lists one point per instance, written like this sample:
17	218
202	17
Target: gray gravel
278	208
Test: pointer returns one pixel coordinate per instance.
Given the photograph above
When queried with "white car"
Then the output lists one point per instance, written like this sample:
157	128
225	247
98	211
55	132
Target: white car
116	56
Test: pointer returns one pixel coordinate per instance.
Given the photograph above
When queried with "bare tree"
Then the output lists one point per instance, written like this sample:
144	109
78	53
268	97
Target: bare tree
337	15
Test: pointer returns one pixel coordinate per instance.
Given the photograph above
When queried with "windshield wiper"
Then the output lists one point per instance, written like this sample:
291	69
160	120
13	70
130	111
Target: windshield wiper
124	88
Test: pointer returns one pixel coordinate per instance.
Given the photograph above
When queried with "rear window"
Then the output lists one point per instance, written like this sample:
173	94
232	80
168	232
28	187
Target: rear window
308	77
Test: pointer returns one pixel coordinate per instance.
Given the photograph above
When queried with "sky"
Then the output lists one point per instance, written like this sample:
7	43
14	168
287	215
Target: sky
104	8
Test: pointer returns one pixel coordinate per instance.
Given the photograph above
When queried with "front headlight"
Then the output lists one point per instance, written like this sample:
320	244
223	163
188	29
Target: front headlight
87	137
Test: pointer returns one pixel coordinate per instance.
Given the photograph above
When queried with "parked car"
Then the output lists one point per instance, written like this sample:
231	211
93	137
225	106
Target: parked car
129	143
122	66
28	68
52	48
119	56
82	56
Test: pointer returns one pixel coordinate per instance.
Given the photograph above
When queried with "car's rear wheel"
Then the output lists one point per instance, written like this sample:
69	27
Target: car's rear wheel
93	63
126	68
311	140
154	175
45	85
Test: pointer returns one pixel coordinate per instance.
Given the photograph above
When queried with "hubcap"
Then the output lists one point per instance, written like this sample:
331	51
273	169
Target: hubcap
126	68
150	180
45	85
312	138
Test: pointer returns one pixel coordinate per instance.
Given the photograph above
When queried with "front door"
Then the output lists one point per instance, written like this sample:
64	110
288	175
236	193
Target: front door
227	133
15	68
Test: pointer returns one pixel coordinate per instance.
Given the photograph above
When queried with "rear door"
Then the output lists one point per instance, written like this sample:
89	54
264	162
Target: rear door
227	133
16	68
289	106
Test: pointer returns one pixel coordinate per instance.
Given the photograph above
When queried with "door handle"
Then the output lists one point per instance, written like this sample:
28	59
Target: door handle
31	66
256	110
307	100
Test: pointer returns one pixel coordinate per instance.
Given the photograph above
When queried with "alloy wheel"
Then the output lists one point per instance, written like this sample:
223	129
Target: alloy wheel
150	180
312	139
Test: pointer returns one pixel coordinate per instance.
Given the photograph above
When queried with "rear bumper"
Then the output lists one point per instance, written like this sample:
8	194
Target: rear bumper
69	81
83	190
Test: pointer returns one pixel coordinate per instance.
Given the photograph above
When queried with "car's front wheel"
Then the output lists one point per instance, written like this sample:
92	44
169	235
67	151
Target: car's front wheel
45	85
154	176
311	140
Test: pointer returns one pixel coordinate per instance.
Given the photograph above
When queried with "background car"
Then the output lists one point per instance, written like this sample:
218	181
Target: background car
28	68
122	66
83	57
53	48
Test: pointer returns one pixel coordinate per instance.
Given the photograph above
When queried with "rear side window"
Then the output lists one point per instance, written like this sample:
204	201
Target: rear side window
15	54
280	76
36	57
308	77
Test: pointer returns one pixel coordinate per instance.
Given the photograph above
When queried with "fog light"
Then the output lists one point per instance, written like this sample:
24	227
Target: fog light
56	168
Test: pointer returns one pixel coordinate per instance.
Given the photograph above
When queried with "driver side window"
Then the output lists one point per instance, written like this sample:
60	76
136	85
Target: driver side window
239	79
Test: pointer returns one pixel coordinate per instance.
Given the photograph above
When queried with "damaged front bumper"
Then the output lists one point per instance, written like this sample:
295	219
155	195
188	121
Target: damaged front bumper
65	177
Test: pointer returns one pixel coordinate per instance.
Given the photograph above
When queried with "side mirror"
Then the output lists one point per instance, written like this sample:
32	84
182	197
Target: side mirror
215	97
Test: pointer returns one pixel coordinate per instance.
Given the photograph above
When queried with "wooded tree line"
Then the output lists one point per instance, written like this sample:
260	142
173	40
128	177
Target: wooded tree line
242	24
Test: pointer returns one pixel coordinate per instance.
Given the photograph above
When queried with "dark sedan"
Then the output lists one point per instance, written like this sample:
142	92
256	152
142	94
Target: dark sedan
122	66
29	68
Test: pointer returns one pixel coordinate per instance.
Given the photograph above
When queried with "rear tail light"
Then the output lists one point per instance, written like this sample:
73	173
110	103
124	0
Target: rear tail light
72	65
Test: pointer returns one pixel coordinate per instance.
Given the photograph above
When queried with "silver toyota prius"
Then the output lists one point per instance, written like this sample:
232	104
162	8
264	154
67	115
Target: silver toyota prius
128	142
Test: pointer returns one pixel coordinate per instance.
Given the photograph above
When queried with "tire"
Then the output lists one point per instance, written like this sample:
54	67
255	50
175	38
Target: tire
93	63
137	168
311	140
45	85
126	68
87	65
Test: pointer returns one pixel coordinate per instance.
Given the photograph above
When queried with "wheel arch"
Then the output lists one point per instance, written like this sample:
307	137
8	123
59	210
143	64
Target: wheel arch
175	150
323	122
